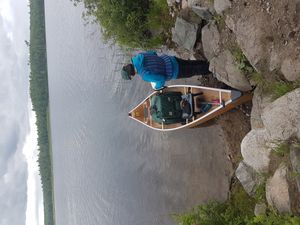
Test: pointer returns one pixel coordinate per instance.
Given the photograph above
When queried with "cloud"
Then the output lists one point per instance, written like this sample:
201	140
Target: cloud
14	119
13	191
35	208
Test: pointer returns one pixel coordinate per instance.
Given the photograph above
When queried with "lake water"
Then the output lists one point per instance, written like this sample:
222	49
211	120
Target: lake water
109	169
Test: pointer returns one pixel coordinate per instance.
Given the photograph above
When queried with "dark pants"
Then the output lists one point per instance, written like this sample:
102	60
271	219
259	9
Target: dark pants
189	68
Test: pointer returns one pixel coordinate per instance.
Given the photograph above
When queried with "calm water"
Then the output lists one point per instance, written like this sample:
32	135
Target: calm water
108	169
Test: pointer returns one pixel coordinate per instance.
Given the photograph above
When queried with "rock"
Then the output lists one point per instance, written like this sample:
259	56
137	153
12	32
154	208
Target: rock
201	3
225	69
190	16
248	177
250	34
295	161
230	23
255	151
210	40
184	3
281	118
260	209
259	102
185	34
274	61
291	69
171	2
202	12
277	190
194	2
221	5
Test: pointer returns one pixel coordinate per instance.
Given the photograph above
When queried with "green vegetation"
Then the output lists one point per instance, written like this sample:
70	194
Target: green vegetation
220	21
274	86
260	192
281	148
277	87
39	97
274	218
234	211
241	61
132	23
280	88
238	210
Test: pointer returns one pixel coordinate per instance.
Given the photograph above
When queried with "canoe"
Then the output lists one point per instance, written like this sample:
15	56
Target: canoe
220	101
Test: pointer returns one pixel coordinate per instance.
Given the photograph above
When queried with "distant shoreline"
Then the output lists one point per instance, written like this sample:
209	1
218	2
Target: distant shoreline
40	101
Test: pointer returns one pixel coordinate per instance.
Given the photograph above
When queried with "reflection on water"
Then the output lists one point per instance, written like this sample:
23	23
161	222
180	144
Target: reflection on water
108	169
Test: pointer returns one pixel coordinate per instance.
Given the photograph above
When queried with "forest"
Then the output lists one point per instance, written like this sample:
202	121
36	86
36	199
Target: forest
39	96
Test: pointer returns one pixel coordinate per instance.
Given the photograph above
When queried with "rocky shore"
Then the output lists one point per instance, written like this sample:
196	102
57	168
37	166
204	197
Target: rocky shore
253	44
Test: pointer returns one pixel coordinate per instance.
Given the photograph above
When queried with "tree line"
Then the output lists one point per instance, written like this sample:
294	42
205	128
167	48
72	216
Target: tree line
39	96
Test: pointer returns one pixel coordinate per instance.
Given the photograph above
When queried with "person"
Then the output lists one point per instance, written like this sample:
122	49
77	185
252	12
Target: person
158	69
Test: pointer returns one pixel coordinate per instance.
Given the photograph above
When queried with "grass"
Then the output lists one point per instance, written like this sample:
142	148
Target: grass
260	192
294	175
281	148
233	211
220	21
275	87
238	210
241	61
280	88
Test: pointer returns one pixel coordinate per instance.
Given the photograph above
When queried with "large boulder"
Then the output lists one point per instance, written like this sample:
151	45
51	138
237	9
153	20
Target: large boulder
194	2
201	3
221	5
202	12
249	34
225	69
211	40
255	150
277	190
248	177
290	68
190	16
259	102
275	60
268	35
185	34
281	118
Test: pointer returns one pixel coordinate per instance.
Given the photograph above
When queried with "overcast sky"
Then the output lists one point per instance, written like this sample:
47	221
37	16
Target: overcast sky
20	192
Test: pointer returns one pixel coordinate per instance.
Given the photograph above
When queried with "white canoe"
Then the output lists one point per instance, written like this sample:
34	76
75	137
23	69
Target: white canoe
221	100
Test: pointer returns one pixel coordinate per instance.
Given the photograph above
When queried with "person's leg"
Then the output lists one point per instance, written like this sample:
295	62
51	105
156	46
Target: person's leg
189	68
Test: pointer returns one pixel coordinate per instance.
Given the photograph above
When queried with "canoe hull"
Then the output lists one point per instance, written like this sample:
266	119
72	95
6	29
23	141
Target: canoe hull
227	99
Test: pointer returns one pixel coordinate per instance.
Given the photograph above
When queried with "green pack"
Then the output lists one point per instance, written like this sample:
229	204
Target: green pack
165	107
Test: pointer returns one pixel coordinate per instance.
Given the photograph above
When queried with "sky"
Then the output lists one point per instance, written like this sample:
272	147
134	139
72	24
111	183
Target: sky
20	189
